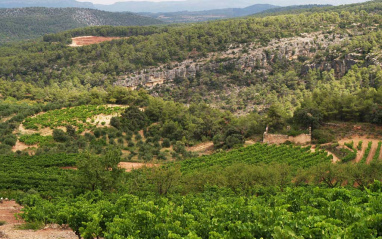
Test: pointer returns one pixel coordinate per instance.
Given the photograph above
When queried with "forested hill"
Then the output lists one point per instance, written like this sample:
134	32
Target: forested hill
292	9
172	105
214	14
43	3
27	23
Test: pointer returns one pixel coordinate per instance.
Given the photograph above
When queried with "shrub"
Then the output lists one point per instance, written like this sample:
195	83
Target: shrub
59	135
115	122
138	137
162	156
323	136
234	140
10	140
97	133
166	143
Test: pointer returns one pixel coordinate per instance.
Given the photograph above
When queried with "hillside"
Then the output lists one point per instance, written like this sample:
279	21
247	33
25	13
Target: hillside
18	24
173	6
266	126
43	3
199	16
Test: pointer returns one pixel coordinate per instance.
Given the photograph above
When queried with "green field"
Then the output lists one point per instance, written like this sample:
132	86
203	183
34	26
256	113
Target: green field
297	157
75	116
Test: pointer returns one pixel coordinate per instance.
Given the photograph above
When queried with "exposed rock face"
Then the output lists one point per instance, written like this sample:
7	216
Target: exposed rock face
340	67
257	58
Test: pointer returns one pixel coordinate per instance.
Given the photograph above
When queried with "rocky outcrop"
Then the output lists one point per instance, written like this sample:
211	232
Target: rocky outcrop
255	58
340	66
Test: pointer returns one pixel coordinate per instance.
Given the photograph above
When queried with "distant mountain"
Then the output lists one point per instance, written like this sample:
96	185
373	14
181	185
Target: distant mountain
174	6
197	16
132	6
28	23
292	9
44	3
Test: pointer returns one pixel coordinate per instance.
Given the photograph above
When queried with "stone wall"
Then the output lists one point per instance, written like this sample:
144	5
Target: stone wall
282	138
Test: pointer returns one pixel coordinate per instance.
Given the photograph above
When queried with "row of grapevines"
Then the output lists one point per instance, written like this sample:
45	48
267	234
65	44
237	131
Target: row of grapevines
366	154
300	157
377	152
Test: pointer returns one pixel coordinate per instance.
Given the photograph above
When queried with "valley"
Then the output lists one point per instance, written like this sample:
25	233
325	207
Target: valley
263	126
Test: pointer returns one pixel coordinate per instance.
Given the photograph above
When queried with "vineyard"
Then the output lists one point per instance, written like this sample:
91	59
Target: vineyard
33	139
76	116
89	144
41	173
295	213
297	157
362	151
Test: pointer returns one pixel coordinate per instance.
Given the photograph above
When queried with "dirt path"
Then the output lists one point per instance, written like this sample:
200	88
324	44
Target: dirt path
361	152
7	211
335	158
249	142
130	166
372	152
202	147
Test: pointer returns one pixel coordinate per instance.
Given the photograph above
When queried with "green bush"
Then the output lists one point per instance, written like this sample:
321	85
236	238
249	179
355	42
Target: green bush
60	136
166	143
10	140
323	136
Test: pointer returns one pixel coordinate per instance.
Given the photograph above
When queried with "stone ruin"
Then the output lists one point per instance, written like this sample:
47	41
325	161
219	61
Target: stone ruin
282	138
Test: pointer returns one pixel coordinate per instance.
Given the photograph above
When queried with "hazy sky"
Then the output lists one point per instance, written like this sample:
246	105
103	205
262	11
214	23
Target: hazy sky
276	2
113	1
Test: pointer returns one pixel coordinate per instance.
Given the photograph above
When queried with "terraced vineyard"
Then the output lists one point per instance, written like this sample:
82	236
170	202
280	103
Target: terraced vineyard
360	150
76	116
299	157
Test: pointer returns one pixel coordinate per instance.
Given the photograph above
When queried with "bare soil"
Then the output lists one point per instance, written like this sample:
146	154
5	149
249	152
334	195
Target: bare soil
207	146
365	141
8	209
130	166
42	132
21	146
4	119
90	40
98	119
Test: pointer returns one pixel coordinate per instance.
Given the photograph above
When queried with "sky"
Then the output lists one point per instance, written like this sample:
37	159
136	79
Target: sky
114	1
276	2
